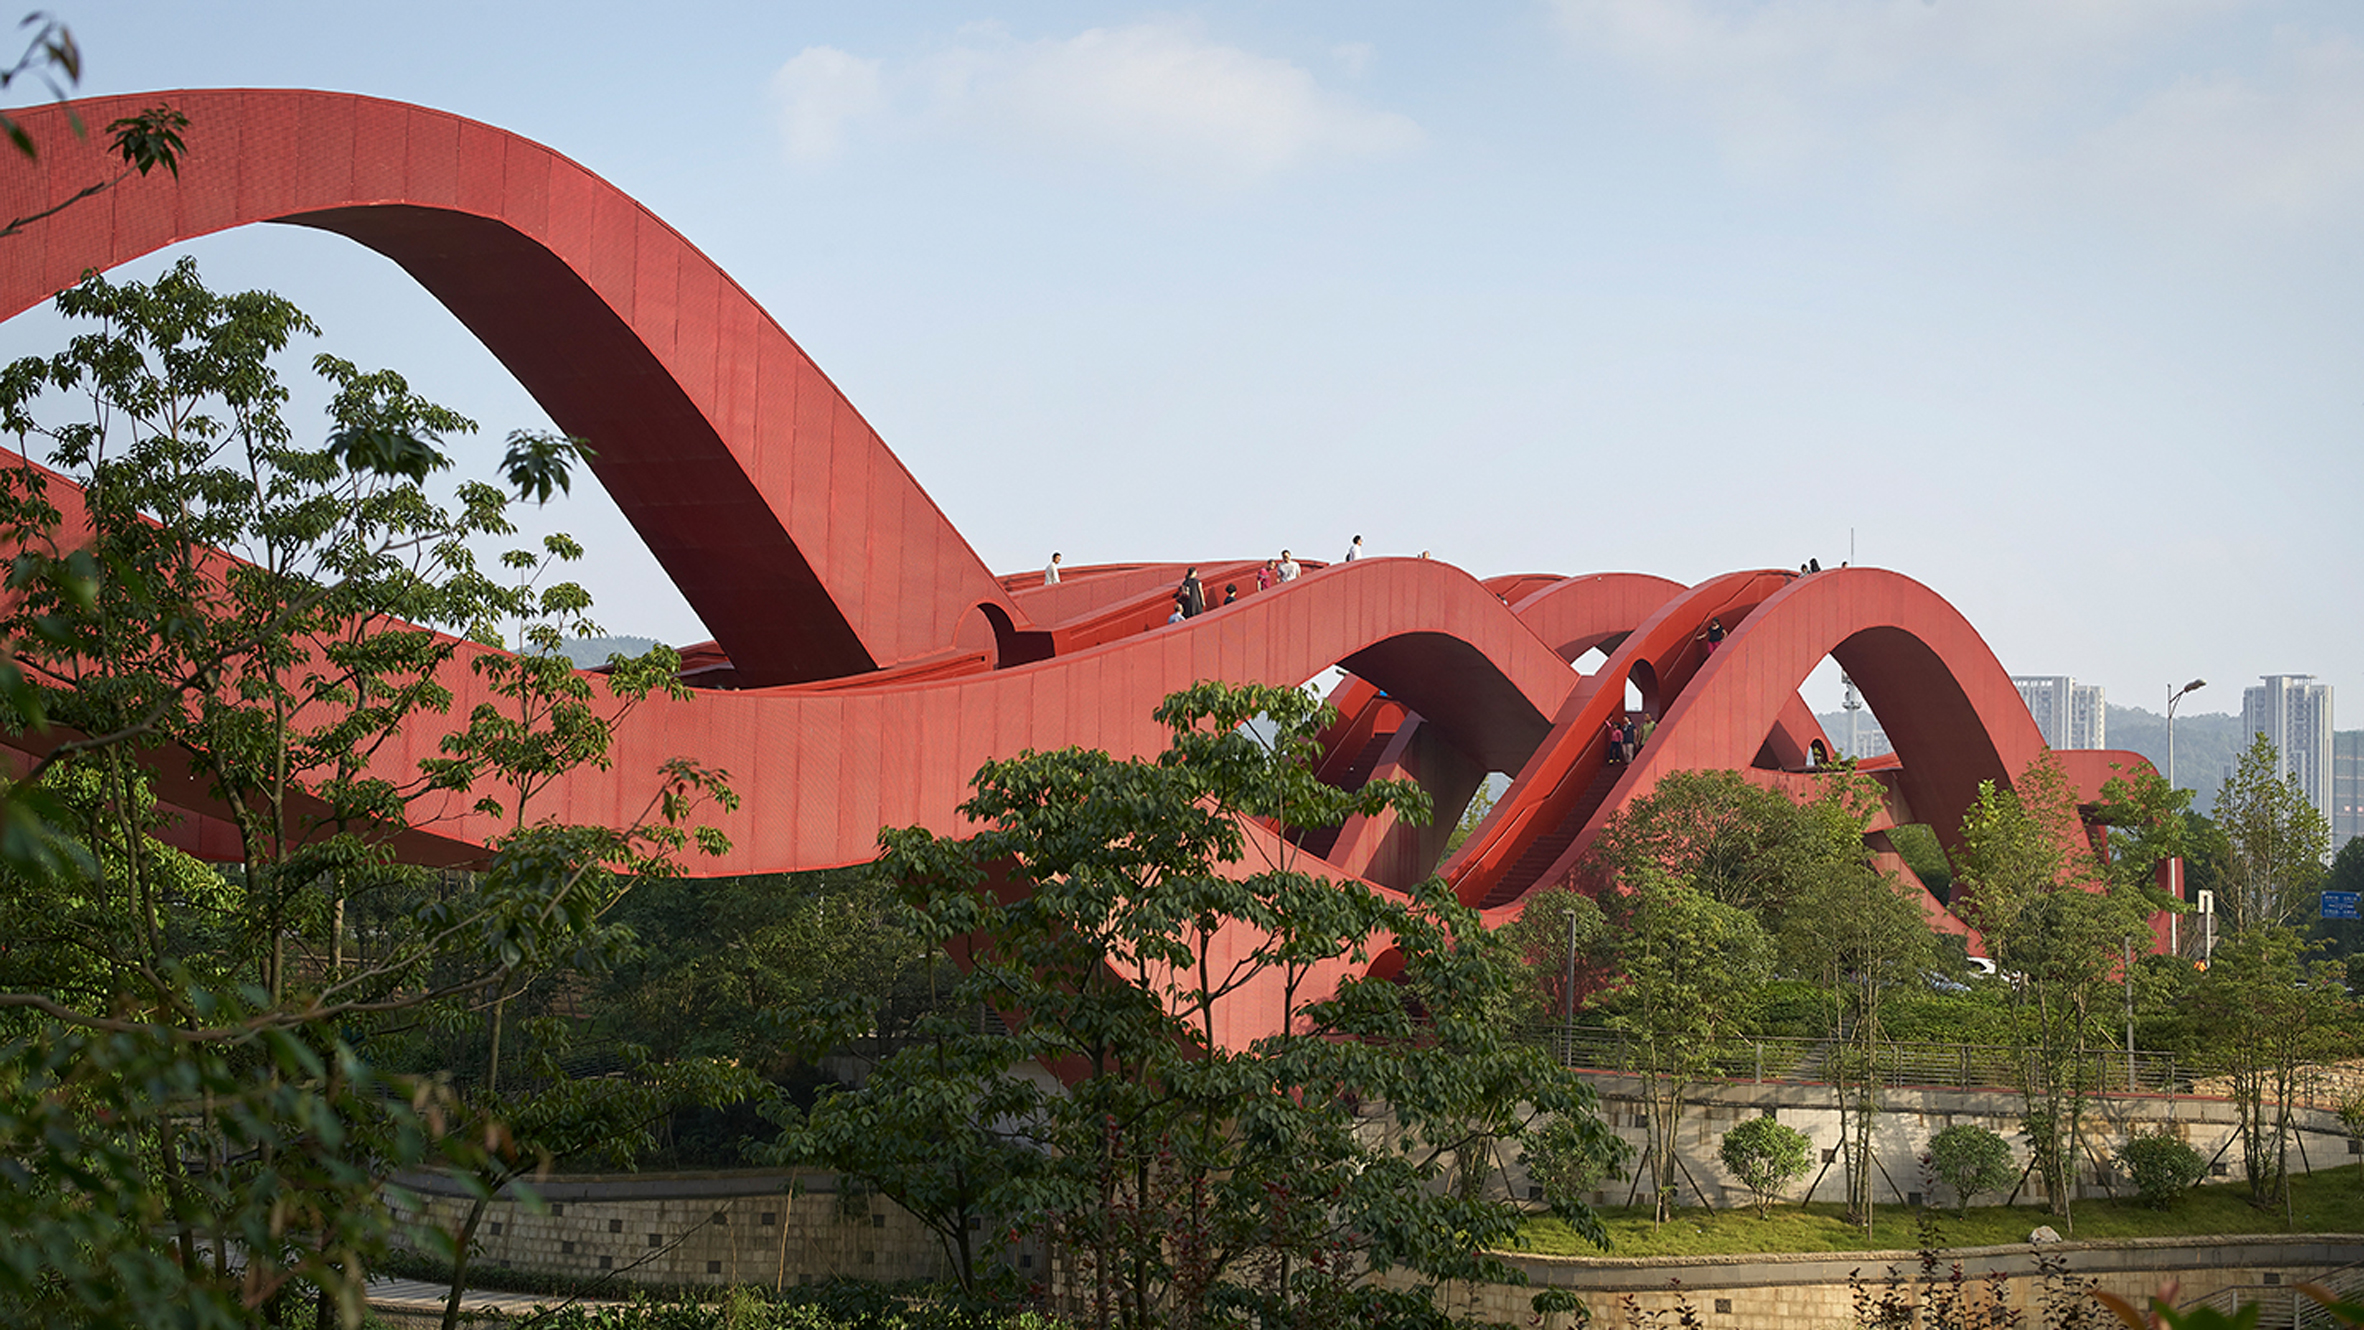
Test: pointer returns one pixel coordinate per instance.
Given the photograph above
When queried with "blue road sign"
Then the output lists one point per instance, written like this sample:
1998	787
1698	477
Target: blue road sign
2340	905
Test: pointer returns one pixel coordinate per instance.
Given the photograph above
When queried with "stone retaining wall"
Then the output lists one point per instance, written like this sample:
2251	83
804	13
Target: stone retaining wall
1812	1291
1910	1117
695	1228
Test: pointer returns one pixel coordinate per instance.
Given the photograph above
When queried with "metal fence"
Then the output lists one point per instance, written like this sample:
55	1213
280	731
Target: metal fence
2282	1304
1797	1061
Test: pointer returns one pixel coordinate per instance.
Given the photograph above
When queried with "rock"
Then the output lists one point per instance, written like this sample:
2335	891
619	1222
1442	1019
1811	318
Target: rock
2044	1234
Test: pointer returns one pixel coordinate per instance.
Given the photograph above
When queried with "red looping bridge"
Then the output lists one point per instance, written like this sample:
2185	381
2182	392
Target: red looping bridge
872	662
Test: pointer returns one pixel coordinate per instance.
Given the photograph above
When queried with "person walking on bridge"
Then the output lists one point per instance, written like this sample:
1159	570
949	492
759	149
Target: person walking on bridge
1192	595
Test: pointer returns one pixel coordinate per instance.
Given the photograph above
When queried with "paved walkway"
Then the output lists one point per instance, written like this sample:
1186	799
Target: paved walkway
414	1298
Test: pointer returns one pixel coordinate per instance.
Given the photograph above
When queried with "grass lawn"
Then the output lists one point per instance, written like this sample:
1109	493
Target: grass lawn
2328	1202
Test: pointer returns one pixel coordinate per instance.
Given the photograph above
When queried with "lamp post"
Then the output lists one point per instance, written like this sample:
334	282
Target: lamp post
2174	696
1568	997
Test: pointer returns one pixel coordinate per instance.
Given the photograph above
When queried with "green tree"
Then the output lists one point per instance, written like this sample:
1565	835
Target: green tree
1480	804
217	614
1110	914
1917	844
2278	841
1689	967
2052	919
717	961
1570	1157
1766	1156
1970	1159
1548	924
1730	838
2162	1166
1862	937
2267	1014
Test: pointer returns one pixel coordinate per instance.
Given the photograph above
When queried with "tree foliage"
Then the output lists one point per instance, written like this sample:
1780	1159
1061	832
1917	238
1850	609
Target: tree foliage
1861	936
1109	914
1767	1156
2278	842
2162	1166
1555	927
1737	842
1971	1160
2269	1013
2053	918
1688	968
1570	1158
201	1088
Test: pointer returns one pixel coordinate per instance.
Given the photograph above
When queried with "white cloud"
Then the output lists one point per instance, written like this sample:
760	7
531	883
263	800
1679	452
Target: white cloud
2195	106
820	91
1156	95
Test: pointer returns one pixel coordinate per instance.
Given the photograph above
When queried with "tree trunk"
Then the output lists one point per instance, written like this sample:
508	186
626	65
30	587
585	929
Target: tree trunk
459	1261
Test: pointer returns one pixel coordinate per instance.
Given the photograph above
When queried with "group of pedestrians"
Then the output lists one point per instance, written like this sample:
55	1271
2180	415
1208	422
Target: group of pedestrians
1190	595
1190	598
1627	735
1276	571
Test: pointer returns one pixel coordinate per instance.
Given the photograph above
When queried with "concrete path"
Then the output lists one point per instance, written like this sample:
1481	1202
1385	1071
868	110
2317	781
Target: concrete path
409	1300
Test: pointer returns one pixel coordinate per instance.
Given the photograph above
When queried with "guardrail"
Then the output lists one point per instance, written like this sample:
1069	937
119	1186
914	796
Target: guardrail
2281	1304
1798	1061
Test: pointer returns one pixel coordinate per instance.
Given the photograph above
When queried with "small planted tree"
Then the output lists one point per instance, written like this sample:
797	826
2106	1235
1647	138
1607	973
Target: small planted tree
2351	1116
1970	1159
1766	1156
2052	913
2163	1167
1570	1157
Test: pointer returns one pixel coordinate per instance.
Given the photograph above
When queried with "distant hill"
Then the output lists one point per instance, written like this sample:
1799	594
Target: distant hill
2207	746
586	652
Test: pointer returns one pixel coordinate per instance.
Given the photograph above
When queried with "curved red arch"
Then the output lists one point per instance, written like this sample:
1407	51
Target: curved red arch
802	542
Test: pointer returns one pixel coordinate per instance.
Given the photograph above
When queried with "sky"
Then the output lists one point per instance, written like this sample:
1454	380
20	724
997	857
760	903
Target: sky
2050	304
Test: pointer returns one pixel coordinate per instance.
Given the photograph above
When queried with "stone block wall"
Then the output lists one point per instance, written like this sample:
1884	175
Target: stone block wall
1807	1291
1909	1118
710	1228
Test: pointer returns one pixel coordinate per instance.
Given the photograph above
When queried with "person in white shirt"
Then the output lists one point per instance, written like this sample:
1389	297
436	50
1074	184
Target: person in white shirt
1288	568
1354	551
1050	575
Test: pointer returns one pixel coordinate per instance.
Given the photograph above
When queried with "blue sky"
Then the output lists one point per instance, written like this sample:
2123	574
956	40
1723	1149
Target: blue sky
2054	304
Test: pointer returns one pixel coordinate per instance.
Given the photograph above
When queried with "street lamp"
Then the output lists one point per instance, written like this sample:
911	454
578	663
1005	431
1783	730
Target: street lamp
1568	997
2172	698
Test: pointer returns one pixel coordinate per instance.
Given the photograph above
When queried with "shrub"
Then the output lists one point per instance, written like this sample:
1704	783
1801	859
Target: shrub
1567	1161
2162	1167
1766	1156
1970	1159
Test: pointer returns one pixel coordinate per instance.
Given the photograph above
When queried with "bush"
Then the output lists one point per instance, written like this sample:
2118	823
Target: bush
1568	1161
1766	1156
1970	1159
2162	1167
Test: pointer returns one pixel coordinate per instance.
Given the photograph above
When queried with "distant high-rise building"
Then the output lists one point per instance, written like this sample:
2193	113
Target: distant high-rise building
2294	713
1870	739
2347	787
2068	714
